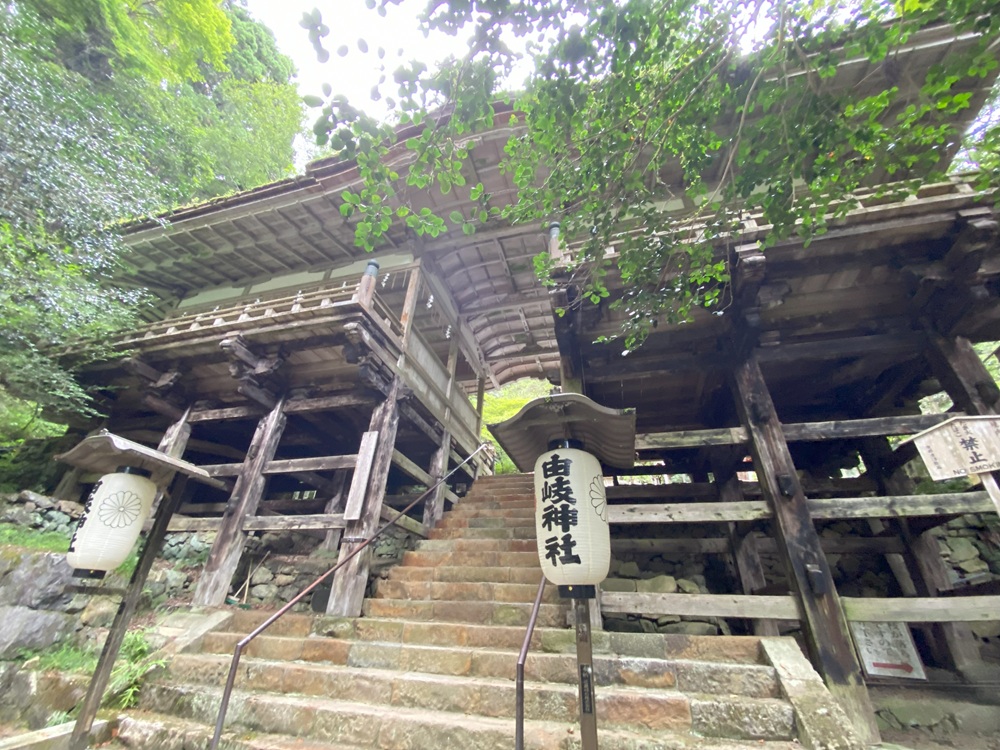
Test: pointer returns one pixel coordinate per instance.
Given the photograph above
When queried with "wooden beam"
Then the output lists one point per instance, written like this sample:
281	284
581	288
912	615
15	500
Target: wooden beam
821	509
265	523
319	463
910	610
362	472
798	432
213	584
405	522
347	592
827	636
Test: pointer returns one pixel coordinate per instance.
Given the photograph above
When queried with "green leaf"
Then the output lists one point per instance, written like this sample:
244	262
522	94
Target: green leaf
456	217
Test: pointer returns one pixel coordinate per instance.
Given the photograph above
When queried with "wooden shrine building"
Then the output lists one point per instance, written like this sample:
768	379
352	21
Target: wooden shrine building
284	362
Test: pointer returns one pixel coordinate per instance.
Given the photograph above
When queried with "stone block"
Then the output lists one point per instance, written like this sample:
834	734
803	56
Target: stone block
657	585
618	584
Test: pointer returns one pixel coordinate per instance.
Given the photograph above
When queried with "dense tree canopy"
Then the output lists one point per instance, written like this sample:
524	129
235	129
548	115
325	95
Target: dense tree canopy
113	109
653	126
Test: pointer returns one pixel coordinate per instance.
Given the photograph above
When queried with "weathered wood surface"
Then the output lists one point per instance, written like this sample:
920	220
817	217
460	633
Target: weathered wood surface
827	636
720	545
287	466
321	521
405	522
794	432
949	504
347	591
910	610
362	473
213	584
411	469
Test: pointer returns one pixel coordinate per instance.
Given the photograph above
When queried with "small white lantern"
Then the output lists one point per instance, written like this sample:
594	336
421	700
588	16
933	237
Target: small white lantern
571	517
117	508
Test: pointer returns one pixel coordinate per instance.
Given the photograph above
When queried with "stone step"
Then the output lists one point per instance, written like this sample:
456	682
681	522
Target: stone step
434	558
617	706
467	573
498	532
465	591
730	650
478	545
144	730
402	728
487	517
692	677
484	613
498	500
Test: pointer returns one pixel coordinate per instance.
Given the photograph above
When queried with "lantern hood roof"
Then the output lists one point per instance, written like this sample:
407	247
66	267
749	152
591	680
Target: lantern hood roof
104	452
607	433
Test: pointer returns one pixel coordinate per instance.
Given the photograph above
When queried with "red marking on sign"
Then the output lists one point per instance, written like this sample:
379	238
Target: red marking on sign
901	667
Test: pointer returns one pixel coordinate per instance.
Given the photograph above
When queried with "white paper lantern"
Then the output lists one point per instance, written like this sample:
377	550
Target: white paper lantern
117	508
571	518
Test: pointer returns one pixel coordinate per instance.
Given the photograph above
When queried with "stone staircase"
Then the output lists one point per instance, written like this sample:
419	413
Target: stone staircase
431	665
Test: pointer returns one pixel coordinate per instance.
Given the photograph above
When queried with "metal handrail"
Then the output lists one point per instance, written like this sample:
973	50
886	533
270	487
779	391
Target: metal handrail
521	659
238	651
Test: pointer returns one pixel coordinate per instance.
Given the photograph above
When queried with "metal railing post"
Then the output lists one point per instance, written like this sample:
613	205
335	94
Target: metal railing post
521	659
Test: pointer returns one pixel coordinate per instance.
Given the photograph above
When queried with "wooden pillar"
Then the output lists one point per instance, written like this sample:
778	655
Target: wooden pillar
434	505
348	590
173	444
963	375
213	585
335	505
827	636
366	287
742	545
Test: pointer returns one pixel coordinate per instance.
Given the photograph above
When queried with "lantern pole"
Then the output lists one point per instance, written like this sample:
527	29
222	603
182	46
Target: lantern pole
126	609
581	596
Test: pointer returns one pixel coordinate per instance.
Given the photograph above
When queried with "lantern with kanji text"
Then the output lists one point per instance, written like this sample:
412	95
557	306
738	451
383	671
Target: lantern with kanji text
571	516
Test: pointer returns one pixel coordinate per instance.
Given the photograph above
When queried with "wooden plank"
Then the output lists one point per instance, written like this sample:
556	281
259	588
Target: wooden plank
910	610
720	545
703	605
749	510
294	406
362	472
827	636
319	463
901	506
411	469
794	432
347	592
405	522
213	584
266	506
335	504
924	609
321	521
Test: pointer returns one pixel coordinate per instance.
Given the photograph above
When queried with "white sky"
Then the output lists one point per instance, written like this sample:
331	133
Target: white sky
356	73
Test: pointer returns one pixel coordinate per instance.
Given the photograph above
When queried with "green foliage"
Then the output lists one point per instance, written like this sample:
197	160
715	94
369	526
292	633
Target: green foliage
44	541
65	657
653	126
133	664
502	404
115	109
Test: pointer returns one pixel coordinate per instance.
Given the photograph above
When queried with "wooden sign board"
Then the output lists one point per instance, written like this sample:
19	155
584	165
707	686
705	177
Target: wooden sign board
886	650
960	446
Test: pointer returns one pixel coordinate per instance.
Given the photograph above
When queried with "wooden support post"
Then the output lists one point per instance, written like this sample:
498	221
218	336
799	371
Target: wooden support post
827	636
335	505
366	287
434	505
349	583
213	585
971	387
173	444
480	400
408	315
742	545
